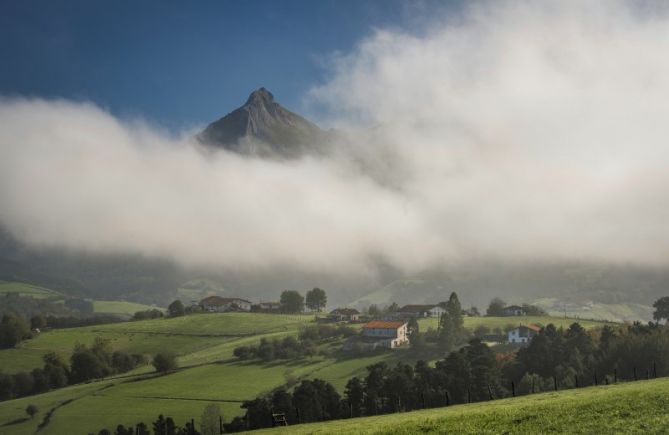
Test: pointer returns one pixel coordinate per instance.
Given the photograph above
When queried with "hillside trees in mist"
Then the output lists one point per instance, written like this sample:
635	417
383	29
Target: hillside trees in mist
291	301
661	309
316	299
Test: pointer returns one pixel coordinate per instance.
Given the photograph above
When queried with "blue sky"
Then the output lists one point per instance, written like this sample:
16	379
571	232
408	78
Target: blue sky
179	64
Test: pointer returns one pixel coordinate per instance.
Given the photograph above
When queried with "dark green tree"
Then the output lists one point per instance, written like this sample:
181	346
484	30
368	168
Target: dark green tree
164	362
32	410
496	307
355	394
291	301
13	330
661	309
316	299
176	309
141	429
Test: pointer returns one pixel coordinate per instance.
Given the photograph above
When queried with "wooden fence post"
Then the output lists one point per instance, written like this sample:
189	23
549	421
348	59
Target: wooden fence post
490	393
635	373
448	399
469	395
555	382
654	370
576	380
513	389
596	383
615	376
220	424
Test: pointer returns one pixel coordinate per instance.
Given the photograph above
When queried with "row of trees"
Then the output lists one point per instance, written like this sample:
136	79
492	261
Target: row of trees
290	347
210	424
557	357
293	302
86	363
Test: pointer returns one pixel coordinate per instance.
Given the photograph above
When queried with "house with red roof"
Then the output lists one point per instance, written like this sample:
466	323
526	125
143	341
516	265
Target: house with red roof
523	333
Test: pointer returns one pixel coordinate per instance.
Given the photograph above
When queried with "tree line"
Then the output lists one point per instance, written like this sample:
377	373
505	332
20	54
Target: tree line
556	358
290	347
86	363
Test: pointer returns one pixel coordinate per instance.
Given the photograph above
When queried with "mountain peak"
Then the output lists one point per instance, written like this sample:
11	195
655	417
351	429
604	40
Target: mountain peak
260	96
262	127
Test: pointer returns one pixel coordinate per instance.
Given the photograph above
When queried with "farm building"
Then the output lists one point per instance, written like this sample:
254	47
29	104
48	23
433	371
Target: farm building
269	306
430	310
344	314
379	334
523	334
218	304
514	310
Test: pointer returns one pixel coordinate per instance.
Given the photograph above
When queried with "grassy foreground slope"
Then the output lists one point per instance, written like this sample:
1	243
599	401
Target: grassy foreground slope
634	407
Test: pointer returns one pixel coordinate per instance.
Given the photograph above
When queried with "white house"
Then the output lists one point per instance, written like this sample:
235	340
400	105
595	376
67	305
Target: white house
386	333
430	310
523	334
219	304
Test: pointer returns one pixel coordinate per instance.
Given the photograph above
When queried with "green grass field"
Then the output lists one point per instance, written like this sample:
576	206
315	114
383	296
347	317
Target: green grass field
630	408
28	290
120	307
209	372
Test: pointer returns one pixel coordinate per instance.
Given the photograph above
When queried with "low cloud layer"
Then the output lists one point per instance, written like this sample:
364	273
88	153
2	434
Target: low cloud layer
515	131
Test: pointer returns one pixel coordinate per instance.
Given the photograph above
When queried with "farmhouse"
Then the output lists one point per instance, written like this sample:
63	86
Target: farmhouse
388	333
344	314
218	304
269	306
430	310
523	334
514	310
379	334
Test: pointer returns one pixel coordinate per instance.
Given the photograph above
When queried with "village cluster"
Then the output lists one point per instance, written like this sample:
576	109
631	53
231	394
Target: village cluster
391	331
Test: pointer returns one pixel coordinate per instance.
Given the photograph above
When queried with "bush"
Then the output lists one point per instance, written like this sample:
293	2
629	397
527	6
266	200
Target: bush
32	410
164	362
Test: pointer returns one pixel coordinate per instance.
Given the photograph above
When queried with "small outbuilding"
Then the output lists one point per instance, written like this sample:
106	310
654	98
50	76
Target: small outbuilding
344	315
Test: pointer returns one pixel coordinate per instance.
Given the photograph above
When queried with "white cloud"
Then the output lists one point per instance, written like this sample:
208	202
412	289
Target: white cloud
521	130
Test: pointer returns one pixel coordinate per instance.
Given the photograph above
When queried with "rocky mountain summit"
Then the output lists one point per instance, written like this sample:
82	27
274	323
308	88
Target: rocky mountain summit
264	128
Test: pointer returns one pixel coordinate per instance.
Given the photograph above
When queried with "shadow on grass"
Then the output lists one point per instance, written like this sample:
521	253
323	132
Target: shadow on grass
16	421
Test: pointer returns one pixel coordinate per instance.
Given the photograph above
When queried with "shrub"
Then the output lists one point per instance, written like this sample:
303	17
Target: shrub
164	362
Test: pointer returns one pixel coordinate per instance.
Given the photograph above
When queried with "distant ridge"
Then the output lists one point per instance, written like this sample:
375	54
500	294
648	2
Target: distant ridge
264	128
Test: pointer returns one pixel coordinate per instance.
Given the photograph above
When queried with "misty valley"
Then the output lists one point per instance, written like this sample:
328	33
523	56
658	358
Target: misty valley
350	217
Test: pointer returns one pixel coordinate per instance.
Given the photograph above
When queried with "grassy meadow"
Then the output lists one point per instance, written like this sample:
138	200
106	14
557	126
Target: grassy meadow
28	290
629	408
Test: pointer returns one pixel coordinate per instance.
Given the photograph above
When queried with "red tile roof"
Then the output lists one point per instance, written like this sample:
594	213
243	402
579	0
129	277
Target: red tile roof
533	327
383	324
